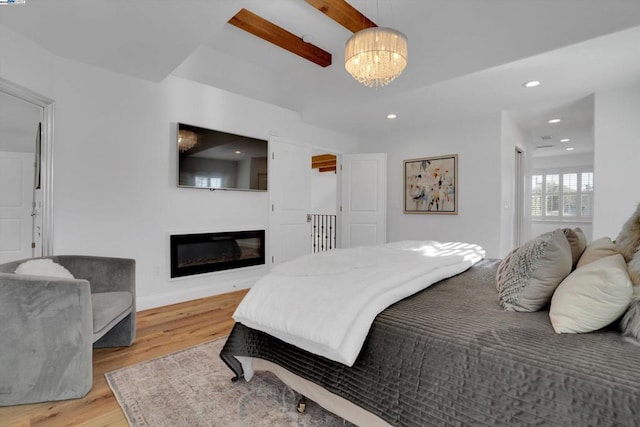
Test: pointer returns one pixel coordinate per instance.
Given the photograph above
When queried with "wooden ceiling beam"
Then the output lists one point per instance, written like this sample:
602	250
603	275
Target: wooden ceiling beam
343	13
323	161
323	158
266	30
316	165
329	169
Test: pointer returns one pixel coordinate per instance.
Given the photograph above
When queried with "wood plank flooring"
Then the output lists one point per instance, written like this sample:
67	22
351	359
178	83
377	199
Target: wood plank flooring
160	331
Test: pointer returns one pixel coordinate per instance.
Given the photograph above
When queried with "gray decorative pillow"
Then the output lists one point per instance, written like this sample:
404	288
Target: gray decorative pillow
529	275
577	242
628	240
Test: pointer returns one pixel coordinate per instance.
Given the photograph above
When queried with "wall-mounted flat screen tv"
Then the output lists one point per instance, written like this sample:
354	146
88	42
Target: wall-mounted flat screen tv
218	160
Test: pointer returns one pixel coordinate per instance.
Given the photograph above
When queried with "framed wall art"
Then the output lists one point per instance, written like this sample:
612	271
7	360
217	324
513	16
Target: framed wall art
431	185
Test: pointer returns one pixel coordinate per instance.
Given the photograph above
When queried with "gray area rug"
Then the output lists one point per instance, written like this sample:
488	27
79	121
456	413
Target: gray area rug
193	387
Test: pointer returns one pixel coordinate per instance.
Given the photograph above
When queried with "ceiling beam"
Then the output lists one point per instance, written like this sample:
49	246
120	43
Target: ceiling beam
328	169
266	30
323	158
316	165
343	13
324	162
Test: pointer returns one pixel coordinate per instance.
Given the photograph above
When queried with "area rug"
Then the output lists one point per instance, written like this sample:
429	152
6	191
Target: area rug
193	387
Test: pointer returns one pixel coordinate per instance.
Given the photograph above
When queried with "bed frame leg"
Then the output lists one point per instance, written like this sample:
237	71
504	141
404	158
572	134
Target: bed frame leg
302	405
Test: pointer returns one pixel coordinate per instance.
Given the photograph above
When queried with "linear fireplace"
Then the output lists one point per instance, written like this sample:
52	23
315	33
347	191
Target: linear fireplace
208	252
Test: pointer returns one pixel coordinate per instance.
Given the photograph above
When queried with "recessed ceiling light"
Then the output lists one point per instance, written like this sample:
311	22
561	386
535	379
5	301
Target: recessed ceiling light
391	116
565	140
569	148
555	121
531	83
238	152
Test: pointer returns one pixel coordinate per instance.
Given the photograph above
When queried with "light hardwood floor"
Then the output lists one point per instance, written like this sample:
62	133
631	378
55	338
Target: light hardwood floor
159	331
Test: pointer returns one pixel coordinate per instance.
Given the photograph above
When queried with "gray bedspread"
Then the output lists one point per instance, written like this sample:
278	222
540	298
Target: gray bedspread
450	355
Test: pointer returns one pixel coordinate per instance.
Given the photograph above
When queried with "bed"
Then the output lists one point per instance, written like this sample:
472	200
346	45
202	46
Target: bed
451	355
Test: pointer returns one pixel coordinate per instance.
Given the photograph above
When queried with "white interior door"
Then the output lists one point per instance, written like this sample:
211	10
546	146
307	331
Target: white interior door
16	194
363	214
290	199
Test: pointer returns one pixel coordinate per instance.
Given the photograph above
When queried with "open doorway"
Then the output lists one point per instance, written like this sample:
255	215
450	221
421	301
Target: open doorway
559	174
324	201
355	199
349	200
26	121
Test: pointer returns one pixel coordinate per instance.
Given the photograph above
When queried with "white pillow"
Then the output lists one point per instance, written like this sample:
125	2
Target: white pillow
592	296
603	247
43	267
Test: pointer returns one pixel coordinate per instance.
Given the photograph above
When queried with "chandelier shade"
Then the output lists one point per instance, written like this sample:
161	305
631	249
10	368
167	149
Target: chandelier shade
376	56
186	140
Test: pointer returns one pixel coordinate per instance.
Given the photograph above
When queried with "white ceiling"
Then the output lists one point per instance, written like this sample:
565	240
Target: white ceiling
466	57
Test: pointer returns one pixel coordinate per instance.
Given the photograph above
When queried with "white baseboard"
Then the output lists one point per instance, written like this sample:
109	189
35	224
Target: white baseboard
168	298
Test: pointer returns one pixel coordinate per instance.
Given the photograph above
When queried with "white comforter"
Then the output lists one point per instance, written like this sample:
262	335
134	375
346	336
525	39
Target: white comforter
325	303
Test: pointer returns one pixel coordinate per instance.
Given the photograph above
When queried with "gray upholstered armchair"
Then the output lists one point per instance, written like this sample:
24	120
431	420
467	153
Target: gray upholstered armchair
49	325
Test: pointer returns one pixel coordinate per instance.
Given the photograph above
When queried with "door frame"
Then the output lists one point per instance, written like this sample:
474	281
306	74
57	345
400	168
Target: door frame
46	160
518	198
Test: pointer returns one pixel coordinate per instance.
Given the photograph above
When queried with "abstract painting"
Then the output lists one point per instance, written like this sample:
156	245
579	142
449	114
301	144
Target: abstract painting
431	185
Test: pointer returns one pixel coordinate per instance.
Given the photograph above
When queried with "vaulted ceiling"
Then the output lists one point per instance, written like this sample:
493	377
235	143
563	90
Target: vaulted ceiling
466	57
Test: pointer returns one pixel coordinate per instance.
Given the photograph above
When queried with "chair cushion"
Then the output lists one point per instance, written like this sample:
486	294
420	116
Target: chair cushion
108	309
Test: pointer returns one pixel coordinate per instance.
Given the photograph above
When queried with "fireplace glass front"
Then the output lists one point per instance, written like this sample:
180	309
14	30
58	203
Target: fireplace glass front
209	252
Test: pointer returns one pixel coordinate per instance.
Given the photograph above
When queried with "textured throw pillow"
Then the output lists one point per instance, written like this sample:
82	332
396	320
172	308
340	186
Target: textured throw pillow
603	247
628	240
577	242
43	267
591	297
527	277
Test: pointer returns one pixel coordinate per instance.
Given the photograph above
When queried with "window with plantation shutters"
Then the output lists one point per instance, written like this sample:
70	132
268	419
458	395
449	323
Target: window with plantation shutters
566	193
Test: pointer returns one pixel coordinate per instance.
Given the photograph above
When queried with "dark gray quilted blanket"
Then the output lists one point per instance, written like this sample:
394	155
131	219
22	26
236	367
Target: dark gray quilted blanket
450	355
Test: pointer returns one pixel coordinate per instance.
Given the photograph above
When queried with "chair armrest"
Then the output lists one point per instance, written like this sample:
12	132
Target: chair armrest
105	274
25	297
46	336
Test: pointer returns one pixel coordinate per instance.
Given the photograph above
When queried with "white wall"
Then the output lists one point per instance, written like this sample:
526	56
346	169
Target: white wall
563	161
478	145
616	159
323	192
18	137
115	188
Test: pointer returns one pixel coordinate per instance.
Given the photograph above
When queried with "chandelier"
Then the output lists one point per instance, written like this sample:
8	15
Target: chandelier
376	56
186	140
